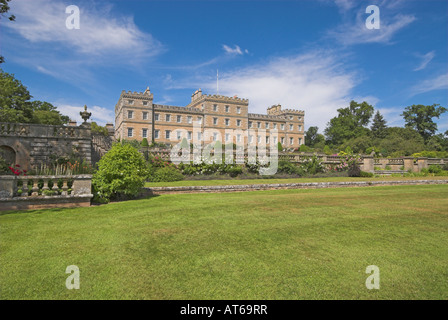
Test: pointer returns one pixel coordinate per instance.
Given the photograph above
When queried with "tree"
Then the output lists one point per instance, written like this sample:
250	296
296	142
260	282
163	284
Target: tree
46	113
419	117
351	122
312	137
98	130
379	126
16	107
401	142
4	8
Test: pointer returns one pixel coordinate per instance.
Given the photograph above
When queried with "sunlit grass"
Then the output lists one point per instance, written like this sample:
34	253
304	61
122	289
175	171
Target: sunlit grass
285	244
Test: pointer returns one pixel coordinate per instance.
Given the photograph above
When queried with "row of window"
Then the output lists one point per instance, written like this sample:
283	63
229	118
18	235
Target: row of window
131	102
228	137
215	121
226	108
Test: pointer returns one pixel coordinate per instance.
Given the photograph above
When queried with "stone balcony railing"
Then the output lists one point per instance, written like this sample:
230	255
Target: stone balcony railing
39	192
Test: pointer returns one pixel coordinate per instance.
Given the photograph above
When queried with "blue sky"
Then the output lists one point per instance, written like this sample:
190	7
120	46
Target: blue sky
315	56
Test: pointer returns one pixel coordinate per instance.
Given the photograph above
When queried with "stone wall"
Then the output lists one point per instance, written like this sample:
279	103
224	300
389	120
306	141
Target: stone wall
30	145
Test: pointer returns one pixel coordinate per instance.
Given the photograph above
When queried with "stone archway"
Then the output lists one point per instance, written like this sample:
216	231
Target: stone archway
8	154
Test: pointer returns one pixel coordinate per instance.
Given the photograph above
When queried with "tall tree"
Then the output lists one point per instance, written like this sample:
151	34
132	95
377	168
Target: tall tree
379	126
351	122
4	8
16	107
420	118
312	137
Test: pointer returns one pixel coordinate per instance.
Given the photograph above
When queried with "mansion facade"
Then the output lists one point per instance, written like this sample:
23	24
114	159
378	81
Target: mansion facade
137	117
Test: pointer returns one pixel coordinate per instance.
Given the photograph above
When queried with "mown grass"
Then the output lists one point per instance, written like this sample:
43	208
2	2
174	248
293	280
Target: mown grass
285	244
237	181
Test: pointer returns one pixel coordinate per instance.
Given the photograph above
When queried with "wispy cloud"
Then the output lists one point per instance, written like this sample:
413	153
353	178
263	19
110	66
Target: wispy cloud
436	83
234	51
101	32
40	40
425	60
349	34
315	82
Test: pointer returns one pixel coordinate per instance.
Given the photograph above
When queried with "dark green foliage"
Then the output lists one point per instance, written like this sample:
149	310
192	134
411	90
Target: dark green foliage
364	174
4	167
312	137
419	117
401	142
434	169
378	128
167	174
15	106
288	168
350	123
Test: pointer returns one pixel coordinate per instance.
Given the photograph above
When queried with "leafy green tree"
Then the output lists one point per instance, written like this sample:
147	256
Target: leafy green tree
312	137
379	126
98	130
401	142
16	107
351	122
46	113
14	100
419	117
122	172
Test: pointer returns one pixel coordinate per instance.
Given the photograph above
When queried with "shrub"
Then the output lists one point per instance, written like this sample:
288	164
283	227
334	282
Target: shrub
434	169
234	171
145	142
313	165
287	167
167	174
364	174
121	172
4	166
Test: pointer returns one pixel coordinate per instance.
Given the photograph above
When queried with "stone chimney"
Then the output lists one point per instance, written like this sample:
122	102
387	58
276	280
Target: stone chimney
72	123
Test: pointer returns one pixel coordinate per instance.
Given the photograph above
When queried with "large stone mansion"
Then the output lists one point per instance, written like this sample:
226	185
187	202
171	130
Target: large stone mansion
136	117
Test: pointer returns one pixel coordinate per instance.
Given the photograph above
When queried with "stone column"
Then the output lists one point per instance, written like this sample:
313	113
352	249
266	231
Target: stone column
368	164
408	163
422	163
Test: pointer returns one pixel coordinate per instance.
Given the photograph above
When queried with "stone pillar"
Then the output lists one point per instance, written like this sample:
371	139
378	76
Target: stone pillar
408	164
368	164
422	163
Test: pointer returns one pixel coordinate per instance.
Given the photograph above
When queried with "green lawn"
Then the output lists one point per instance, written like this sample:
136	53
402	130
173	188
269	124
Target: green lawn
237	181
285	244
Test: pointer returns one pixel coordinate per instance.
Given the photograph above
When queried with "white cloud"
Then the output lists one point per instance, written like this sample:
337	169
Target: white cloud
425	60
100	32
437	83
100	115
349	34
234	51
313	82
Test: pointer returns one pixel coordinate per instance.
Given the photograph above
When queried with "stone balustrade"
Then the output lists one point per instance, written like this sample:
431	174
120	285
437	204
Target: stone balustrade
38	192
367	163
